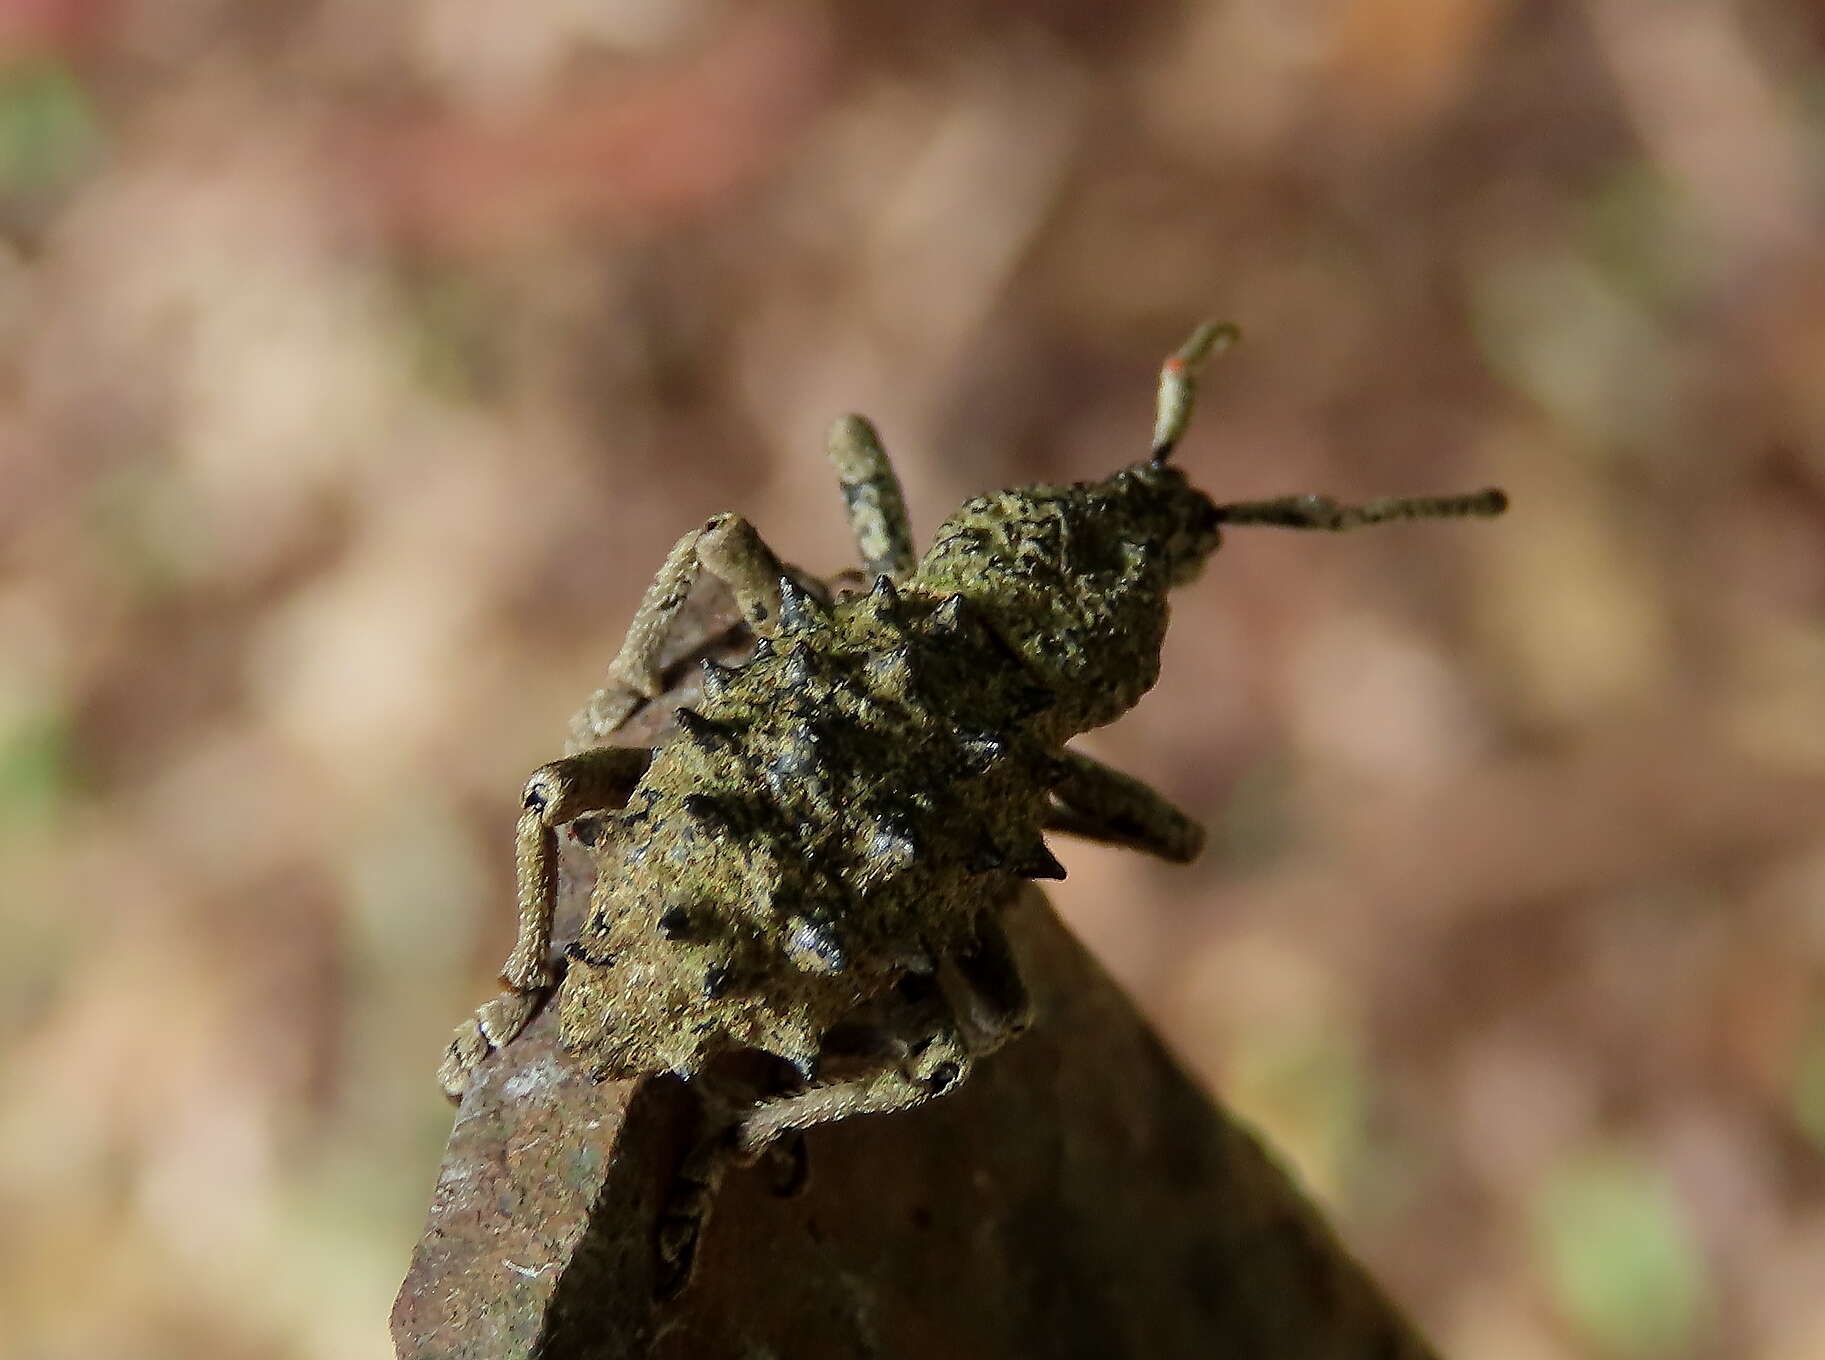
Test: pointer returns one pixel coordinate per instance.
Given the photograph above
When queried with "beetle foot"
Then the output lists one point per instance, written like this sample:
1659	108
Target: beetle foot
493	1026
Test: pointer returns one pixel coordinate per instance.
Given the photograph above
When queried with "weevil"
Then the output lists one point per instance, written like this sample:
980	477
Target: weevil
815	864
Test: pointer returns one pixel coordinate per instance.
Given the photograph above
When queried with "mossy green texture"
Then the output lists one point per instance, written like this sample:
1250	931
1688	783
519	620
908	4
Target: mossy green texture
851	805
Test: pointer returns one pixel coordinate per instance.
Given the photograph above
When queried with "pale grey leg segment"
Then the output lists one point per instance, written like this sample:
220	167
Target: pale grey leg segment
593	781
599	780
926	1047
732	551
1102	804
930	1067
633	676
910	1074
983	1004
871	491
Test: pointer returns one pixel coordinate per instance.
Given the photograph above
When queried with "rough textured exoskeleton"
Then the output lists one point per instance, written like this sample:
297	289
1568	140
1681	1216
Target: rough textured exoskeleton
815	865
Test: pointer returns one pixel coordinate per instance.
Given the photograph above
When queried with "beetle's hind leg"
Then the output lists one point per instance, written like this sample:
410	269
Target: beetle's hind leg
913	1072
871	491
909	1073
989	996
692	1194
923	1047
594	781
730	549
1101	804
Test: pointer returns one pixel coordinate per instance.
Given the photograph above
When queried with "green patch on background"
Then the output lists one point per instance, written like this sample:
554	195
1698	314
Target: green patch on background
1809	1084
48	129
450	335
1254	827
154	541
1562	333
36	769
1641	232
1616	1252
1307	1091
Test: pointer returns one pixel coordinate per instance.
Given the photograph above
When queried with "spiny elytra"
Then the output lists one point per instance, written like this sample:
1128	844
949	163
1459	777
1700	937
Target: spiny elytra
832	834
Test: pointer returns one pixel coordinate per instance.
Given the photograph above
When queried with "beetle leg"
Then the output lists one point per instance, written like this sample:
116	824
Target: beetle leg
990	998
921	1049
1101	804
871	491
598	780
692	1194
687	1211
731	550
911	1073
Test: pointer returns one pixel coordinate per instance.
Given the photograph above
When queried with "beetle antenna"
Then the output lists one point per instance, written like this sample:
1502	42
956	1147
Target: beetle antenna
1178	383
1321	512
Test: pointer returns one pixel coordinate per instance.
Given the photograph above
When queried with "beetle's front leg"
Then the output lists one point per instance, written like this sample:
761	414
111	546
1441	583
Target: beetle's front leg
731	549
593	781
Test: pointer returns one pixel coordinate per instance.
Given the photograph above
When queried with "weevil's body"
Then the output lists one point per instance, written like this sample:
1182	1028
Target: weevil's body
859	800
815	864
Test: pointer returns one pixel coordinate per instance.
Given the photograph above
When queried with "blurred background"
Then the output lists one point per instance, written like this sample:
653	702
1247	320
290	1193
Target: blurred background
359	363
